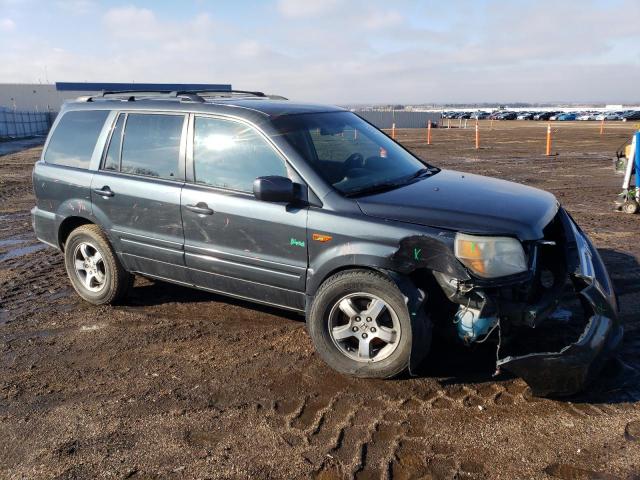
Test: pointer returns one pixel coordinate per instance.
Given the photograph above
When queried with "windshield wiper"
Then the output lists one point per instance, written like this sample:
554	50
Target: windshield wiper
379	187
376	188
421	173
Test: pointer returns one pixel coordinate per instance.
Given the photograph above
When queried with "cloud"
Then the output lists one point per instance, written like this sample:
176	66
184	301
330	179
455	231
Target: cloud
132	22
349	52
383	19
305	9
76	7
7	25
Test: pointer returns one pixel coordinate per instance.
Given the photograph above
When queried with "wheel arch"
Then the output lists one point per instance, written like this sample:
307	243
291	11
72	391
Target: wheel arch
344	268
409	284
68	225
313	284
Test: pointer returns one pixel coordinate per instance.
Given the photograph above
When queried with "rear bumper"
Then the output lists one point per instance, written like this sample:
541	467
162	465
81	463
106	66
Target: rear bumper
45	226
571	369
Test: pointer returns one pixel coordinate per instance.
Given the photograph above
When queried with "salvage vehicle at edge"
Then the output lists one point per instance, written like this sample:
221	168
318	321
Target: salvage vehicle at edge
311	208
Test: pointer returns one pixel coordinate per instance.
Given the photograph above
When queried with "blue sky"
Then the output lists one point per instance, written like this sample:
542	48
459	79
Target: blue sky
339	51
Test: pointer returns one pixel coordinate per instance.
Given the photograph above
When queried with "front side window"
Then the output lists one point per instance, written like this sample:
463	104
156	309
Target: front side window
151	145
350	154
232	155
75	136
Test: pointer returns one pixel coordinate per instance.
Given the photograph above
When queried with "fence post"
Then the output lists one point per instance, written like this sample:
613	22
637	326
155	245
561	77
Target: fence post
393	131
548	140
429	132
477	136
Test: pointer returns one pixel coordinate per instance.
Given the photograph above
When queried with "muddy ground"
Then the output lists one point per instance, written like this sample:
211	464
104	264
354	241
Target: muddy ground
178	383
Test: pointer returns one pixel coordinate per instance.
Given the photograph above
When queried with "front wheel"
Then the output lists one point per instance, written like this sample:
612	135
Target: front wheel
360	325
630	206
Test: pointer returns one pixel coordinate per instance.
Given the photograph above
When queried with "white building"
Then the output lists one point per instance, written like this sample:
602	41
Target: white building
34	96
49	97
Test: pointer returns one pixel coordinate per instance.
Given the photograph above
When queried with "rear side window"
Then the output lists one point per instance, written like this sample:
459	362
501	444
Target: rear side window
75	136
151	145
232	155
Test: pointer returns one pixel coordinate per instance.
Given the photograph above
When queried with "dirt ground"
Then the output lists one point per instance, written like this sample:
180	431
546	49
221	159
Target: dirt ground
178	383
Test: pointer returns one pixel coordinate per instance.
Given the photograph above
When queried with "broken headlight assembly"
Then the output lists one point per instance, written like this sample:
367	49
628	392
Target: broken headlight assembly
490	257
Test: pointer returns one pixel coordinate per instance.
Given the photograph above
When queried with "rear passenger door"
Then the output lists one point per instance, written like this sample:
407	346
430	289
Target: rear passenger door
234	243
136	192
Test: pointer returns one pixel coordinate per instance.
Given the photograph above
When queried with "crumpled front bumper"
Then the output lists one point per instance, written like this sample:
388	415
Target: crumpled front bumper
569	370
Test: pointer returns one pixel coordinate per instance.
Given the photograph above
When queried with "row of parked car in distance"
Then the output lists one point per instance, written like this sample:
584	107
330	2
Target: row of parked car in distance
625	115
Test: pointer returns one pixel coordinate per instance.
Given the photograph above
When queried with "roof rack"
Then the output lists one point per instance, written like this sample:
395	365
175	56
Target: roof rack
223	92
198	96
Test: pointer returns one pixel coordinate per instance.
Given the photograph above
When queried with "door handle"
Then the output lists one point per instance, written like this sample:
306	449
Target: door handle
104	191
200	208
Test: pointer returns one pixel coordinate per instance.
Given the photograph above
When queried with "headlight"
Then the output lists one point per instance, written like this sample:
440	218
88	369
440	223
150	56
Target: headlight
584	250
490	257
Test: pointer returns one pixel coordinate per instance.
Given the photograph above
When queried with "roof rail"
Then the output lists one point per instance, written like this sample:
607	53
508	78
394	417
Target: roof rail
223	92
128	95
190	95
230	93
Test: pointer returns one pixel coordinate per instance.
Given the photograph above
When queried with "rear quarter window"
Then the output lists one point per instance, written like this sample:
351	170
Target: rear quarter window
74	138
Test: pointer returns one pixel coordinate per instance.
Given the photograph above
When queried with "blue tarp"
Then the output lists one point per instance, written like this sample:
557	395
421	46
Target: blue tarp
139	87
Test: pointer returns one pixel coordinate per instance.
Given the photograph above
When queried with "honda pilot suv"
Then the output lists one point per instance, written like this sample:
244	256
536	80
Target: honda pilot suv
312	209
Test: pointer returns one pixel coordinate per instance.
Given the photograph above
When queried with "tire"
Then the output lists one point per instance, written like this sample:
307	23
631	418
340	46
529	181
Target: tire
630	206
99	277
386	350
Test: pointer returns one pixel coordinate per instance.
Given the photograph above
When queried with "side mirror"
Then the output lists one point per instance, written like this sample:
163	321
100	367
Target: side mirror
273	189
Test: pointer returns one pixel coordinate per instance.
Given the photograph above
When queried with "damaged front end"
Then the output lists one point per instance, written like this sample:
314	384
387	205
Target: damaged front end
556	322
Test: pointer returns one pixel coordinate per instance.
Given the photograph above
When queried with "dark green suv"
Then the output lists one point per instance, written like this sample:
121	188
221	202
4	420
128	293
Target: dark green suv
312	209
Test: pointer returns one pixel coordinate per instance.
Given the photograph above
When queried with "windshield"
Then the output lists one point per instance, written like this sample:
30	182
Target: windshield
348	153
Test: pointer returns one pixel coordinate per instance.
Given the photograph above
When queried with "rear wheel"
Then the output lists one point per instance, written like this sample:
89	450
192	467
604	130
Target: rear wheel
93	268
360	325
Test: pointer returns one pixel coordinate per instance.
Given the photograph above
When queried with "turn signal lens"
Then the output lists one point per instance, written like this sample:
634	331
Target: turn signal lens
319	237
490	257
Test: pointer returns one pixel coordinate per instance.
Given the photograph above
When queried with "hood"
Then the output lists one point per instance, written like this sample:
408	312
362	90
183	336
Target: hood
467	203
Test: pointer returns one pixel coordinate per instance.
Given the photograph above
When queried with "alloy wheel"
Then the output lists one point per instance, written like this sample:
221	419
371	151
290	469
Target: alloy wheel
89	267
364	327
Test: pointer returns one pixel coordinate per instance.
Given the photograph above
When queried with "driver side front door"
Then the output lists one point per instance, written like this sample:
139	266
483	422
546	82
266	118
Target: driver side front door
234	243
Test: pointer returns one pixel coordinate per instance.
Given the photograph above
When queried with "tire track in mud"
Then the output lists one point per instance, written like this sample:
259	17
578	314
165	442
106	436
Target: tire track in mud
33	283
14	190
348	434
32	275
345	434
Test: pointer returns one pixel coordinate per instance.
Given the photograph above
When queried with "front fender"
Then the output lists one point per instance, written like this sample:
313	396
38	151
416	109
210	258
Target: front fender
353	254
